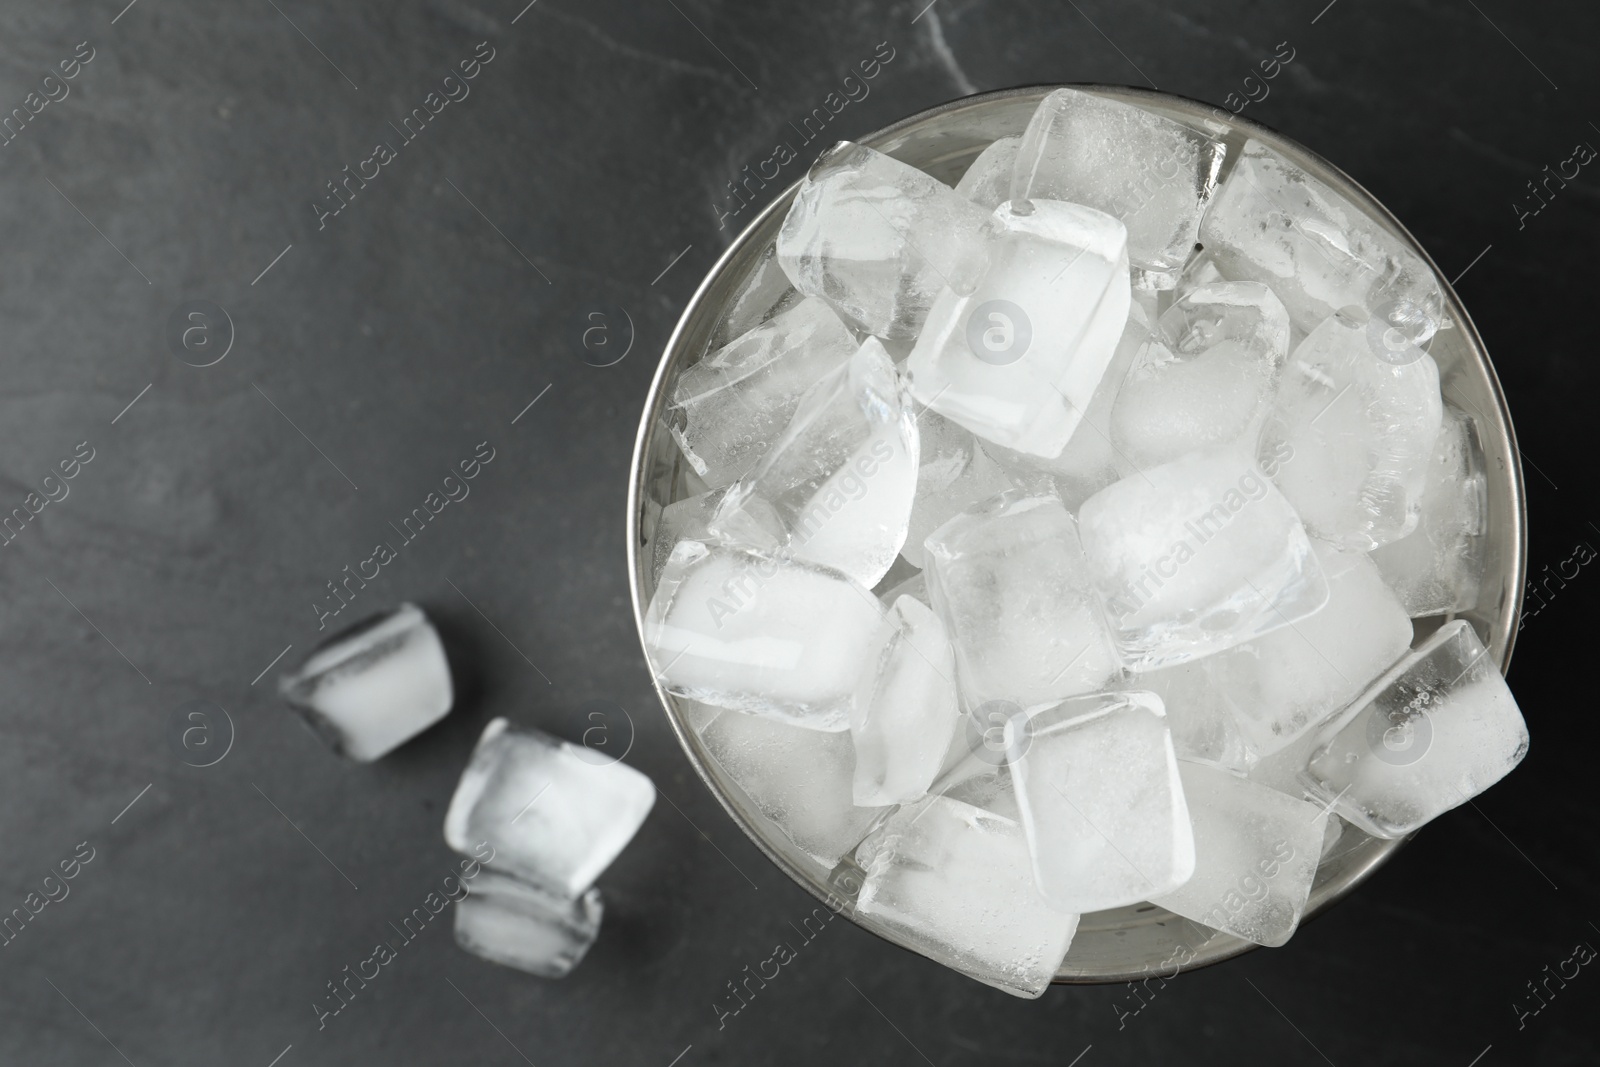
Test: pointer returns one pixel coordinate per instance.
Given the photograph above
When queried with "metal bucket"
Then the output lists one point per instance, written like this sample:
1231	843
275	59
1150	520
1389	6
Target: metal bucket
1131	942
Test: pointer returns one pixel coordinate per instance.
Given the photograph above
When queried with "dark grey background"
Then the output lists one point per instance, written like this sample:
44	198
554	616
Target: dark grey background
598	143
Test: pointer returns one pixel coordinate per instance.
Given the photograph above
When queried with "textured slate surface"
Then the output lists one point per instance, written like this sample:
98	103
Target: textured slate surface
384	346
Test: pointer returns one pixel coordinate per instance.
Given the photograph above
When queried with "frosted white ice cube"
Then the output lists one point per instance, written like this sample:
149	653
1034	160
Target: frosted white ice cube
556	813
1104	813
727	409
955	882
1438	567
905	711
1195	556
742	629
1152	173
1431	734
1008	579
1017	360
1352	432
836	487
800	780
987	182
682	520
515	924
878	238
954	473
370	688
1209	377
1255	856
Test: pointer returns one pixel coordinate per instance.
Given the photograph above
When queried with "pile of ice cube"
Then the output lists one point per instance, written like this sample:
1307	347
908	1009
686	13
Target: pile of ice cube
1053	543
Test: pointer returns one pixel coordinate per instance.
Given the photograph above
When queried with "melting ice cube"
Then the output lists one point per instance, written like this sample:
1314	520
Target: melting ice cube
370	688
515	924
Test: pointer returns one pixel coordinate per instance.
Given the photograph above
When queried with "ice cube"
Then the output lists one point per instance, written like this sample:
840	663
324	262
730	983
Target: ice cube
765	293
1009	581
727	409
1097	782
1204	723
1352	433
555	813
742	629
955	882
1195	556
800	780
1431	734
987	182
1017	360
954	473
905	708
1209	378
1437	568
1255	856
837	487
373	686
878	238
682	520
1152	173
1272	222
1286	682
515	924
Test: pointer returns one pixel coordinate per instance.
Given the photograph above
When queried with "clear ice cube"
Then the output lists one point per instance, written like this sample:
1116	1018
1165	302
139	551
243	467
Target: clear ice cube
905	709
1352	433
1008	579
555	813
1274	223
1255	856
682	520
1195	556
1097	782
987	182
1431	734
727	409
1209	377
837	487
954	473
1152	173
799	780
1017	360
1438	567
371	687
510	922
878	238
955	882
743	629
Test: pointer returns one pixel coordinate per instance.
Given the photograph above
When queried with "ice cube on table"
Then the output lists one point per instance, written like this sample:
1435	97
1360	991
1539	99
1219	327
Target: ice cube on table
954	473
1196	556
1431	734
1352	432
905	708
955	883
727	409
1272	222
742	629
878	239
1293	679
1204	723
555	813
765	293
371	687
987	181
799	780
510	922
1008	579
682	520
836	488
1097	782
1017	360
1209	377
1255	856
1152	173
1438	567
